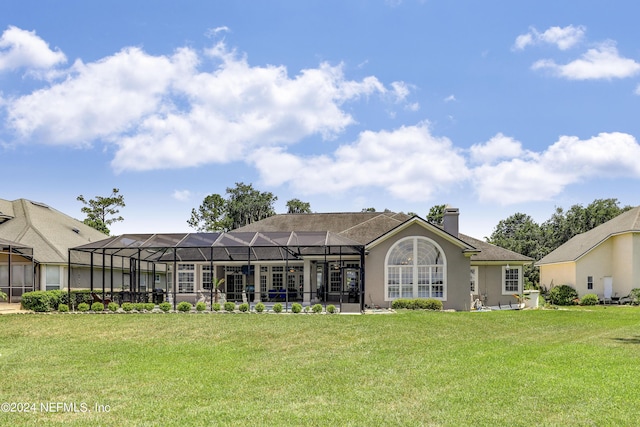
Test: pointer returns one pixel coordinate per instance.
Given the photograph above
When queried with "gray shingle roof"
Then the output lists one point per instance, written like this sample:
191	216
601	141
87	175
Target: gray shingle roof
364	227
577	246
49	232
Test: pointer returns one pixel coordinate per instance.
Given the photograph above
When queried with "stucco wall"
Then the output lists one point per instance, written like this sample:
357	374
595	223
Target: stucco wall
598	264
558	274
490	285
621	260
457	270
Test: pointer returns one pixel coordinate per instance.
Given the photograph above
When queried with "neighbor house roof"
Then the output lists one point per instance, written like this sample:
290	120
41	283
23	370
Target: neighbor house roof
49	232
579	245
365	227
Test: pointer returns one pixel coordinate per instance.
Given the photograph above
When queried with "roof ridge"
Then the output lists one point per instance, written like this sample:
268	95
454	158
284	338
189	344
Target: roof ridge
29	225
370	219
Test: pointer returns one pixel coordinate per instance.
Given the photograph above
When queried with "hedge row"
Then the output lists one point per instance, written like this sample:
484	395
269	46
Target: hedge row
43	301
417	304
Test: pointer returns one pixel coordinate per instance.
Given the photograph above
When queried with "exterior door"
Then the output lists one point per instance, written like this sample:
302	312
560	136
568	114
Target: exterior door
235	286
608	288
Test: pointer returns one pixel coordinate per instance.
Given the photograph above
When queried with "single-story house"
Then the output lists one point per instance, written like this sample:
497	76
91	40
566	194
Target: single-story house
34	245
604	260
353	259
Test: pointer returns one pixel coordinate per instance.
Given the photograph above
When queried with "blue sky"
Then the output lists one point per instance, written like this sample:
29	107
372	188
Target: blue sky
493	107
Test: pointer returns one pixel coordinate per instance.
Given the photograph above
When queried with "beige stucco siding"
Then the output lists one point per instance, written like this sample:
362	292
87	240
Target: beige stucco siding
598	264
558	274
635	261
457	269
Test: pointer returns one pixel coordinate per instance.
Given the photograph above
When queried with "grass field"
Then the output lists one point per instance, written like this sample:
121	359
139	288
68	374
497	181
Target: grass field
551	367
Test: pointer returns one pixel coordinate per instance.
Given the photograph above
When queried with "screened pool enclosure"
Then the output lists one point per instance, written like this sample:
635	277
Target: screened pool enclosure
306	267
17	268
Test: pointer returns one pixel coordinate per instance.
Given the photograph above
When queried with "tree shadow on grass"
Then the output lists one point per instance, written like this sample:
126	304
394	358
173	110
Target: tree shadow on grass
631	340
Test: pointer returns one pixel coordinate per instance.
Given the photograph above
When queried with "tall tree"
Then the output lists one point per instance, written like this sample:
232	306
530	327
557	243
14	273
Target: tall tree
436	214
298	206
368	210
101	210
521	234
243	205
246	205
211	215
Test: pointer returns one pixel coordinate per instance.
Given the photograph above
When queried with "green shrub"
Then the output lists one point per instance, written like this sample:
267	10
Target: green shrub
229	306
634	296
331	309
296	307
431	304
55	298
562	295
149	306
39	301
165	306
589	299
216	306
259	307
200	306
244	307
138	306
127	306
97	306
317	308
184	306
277	308
83	306
113	306
63	308
306	308
3	296
400	303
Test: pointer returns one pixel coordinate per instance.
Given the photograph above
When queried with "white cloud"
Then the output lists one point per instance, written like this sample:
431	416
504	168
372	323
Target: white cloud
450	98
181	195
409	163
563	37
498	147
163	112
400	91
20	48
602	62
239	109
100	99
541	176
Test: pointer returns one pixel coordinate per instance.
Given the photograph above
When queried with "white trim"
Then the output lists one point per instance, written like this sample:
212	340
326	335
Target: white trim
511	267
427	226
415	240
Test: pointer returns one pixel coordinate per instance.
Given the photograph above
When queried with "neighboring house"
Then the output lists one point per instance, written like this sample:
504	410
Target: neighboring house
351	259
604	260
34	245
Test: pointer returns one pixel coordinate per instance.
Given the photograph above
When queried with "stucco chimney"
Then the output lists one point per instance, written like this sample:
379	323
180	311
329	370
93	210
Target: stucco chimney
450	221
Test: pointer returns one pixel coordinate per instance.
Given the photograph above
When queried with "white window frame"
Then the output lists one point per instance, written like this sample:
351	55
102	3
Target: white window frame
473	286
206	276
416	268
504	280
186	278
589	283
51	285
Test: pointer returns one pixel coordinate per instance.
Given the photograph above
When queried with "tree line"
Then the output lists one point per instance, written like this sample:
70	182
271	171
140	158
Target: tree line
520	233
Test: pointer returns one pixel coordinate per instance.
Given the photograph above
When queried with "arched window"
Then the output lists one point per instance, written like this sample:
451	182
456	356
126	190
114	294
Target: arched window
415	268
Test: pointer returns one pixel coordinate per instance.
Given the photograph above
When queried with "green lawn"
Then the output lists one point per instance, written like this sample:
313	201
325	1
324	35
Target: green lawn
551	367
